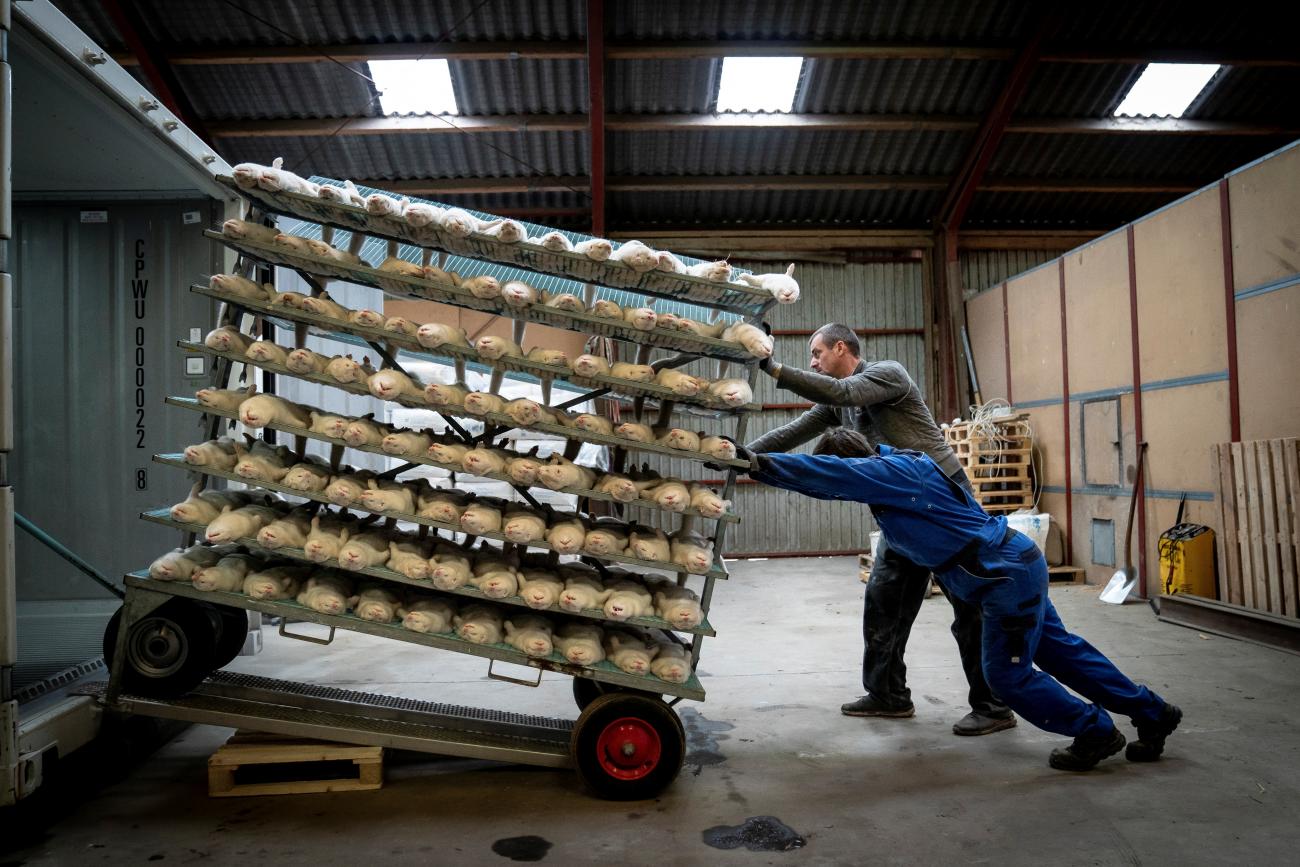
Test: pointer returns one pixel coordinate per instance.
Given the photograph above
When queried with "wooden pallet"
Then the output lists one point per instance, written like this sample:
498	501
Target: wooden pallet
1259	511
303	760
1073	574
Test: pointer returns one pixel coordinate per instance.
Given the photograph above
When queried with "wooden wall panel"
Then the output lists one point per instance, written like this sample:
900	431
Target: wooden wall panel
1034	318
1180	425
1268	363
1097	314
1049	443
1180	289
1087	507
984	323
1266	220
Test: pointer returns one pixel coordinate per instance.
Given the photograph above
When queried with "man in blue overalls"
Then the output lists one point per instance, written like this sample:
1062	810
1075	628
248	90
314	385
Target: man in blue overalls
937	524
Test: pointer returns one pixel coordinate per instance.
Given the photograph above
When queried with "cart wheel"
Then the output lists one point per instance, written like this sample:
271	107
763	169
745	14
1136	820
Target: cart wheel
232	629
168	652
585	691
628	747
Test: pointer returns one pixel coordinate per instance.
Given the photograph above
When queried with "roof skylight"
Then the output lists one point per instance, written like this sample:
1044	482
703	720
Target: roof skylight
1166	89
414	86
758	83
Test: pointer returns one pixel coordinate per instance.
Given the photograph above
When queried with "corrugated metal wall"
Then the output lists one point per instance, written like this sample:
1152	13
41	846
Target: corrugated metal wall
984	268
95	356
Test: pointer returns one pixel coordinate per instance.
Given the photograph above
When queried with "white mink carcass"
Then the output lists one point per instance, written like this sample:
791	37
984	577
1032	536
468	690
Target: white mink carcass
783	287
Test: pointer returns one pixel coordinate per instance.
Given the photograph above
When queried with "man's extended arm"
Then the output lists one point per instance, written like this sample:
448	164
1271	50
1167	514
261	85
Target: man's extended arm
809	424
875	480
881	382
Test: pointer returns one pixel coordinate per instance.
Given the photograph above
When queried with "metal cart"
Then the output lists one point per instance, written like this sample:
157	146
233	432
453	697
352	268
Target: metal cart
169	640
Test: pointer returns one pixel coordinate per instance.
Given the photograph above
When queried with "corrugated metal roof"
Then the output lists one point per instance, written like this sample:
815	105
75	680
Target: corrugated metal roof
1257	93
434	155
520	86
1198	159
270	90
661	86
1075	210
939	87
965	87
864	208
1077	89
840	20
332	22
785	151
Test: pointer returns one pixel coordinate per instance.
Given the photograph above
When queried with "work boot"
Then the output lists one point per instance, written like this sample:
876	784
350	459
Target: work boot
869	705
1086	751
1151	735
975	723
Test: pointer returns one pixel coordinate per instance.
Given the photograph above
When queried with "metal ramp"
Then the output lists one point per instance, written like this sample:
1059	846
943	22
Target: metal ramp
305	710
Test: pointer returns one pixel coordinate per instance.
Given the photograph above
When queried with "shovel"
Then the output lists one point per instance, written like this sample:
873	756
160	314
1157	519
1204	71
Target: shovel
1124	580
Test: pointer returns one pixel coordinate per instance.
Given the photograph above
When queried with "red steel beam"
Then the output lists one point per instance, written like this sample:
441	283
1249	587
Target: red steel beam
989	136
1135	341
1230	294
130	25
1065	404
596	110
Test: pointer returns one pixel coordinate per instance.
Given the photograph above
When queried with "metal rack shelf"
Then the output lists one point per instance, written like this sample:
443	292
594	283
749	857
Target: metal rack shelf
604	671
433	290
437	525
575	266
502	422
164	518
327	327
194	406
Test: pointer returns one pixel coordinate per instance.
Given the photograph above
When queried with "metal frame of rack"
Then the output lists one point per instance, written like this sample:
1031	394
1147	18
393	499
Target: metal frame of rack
257	703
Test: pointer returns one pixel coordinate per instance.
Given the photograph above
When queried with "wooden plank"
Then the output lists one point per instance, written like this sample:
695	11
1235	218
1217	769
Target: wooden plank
1268	512
1289	532
1229	550
1284	578
1243	525
1259	568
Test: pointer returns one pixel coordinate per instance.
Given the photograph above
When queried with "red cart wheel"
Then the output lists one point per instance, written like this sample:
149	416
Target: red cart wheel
628	747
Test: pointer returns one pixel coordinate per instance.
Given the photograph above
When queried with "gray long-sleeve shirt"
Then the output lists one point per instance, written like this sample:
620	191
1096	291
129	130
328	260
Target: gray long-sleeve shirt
879	400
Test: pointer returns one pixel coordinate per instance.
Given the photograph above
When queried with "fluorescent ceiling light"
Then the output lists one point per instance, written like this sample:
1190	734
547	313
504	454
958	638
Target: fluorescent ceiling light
414	86
758	83
1166	89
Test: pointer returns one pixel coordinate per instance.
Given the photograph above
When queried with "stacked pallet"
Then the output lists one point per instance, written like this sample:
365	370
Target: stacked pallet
996	457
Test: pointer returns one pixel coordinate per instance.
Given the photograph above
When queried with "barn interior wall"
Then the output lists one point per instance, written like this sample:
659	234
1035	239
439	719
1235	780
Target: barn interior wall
1166	287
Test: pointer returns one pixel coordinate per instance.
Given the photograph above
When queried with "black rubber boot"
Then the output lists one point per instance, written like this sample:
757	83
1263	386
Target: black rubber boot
1151	735
975	724
1086	751
869	705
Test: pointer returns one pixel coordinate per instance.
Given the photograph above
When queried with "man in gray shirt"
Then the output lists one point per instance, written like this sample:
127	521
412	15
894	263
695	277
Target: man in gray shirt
880	401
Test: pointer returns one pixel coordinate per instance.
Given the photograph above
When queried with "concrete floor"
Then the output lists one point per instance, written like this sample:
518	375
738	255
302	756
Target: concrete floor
768	742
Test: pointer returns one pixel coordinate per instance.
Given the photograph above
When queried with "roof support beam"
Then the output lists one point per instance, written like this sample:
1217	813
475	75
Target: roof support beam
596	110
574	50
131	26
990	133
428	125
714	183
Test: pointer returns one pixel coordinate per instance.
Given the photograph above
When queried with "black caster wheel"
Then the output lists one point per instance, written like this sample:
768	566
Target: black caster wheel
585	691
628	747
232	629
168	652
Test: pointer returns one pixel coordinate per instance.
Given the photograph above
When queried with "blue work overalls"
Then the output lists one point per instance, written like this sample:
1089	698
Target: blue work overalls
937	524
